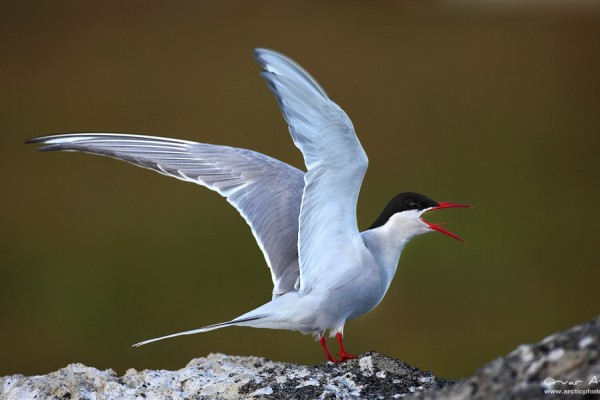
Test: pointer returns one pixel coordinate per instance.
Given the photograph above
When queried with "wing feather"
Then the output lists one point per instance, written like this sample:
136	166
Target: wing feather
265	191
336	164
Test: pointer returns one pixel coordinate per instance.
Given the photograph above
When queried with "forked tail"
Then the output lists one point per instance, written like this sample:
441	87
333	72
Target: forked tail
240	321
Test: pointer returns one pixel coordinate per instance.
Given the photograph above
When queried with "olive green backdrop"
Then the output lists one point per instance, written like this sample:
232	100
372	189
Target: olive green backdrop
493	106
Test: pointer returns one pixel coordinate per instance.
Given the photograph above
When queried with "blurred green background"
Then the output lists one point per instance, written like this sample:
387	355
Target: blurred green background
495	106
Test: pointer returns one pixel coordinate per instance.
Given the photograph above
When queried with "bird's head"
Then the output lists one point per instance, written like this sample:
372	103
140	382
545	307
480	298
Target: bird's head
405	211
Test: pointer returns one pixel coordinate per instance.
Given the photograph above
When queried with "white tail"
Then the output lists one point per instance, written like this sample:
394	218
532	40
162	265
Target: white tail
203	329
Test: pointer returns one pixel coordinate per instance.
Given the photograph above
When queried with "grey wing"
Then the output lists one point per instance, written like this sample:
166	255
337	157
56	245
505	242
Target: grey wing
265	191
336	164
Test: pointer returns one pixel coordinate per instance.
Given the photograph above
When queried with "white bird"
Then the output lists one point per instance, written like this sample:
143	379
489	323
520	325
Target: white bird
325	271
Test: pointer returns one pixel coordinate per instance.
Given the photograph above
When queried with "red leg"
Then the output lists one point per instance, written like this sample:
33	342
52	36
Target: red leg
343	355
327	353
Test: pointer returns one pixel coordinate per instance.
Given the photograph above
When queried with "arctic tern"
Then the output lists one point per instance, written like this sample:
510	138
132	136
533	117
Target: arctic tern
325	271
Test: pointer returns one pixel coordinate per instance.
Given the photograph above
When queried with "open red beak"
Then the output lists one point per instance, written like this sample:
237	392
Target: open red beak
437	227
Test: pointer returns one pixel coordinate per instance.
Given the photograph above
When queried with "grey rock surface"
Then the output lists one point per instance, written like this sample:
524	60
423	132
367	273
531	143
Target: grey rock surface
219	376
563	365
569	360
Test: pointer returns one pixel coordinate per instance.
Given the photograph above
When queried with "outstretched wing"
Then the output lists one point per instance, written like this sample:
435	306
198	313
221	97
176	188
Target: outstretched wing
265	191
336	164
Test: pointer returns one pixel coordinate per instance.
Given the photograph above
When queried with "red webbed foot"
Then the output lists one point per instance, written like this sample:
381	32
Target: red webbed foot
343	354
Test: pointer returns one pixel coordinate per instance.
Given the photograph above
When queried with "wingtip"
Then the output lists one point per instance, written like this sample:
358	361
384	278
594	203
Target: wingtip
262	54
53	139
41	140
260	51
35	140
267	57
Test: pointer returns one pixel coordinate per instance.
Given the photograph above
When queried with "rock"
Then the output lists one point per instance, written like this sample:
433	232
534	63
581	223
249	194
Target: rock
563	364
218	376
569	360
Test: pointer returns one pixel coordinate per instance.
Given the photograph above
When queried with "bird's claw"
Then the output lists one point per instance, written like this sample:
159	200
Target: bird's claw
332	359
345	356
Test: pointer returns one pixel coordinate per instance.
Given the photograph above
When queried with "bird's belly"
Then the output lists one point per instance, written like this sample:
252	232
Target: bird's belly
328	305
351	299
361	300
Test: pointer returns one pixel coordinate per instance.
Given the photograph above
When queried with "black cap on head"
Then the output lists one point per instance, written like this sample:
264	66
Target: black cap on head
403	202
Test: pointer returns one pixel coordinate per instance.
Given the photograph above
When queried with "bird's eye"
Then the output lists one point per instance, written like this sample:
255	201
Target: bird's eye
414	205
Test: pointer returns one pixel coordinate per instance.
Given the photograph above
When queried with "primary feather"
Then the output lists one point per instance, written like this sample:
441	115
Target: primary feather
265	191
